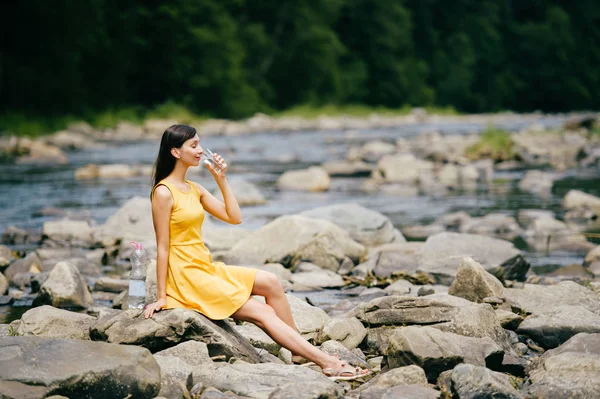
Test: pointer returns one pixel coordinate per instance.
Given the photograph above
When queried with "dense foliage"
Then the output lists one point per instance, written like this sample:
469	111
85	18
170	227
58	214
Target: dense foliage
234	57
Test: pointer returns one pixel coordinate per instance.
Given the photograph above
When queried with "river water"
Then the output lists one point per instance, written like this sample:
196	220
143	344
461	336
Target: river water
260	158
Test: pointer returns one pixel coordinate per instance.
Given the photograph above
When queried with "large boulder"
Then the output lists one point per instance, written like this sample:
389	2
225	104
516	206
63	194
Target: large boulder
314	178
388	259
77	369
569	371
473	283
73	232
246	193
400	376
170	327
436	351
365	226
442	253
260	381
65	288
348	331
280	240
403	168
579	199
132	222
47	321
474	382
175	376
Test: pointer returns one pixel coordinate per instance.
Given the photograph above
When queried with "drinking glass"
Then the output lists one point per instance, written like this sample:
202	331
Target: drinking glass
208	158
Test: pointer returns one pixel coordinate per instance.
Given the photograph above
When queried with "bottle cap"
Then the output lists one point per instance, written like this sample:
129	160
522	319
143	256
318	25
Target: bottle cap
136	245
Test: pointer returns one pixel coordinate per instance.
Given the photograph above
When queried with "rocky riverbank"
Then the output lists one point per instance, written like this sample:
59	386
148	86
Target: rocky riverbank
459	314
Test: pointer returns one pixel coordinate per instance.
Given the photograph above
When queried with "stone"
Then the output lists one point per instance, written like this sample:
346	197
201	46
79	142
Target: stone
474	283
315	179
496	225
347	168
388	259
537	182
400	376
65	288
3	284
5	256
258	338
545	234
348	331
111	285
175	376
592	256
75	231
132	222
47	321
31	263
194	353
580	199
508	320
474	382
81	369
246	193
319	279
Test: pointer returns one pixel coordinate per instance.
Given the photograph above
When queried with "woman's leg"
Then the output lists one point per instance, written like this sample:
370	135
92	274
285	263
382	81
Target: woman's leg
267	284
265	317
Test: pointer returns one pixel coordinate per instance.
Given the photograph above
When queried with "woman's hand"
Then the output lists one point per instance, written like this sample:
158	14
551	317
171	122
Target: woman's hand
220	162
154	307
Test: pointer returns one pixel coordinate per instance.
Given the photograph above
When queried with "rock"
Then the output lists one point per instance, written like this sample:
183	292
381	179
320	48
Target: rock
569	371
132	222
261	380
111	285
442	252
493	225
347	168
537	299
449	176
579	199
444	312
376	387
403	168
592	257
365	226
31	263
547	234
170	327
554	327
77	232
65	288
175	376
3	284
374	150
193	353
348	331
280	240
47	321
258	338
319	279
39	153
15	236
422	231
537	182
354	358
308	390
401	287
5	256
388	259
508	320
526	216
246	193
412	391
371	293
473	382
473	283
314	178
309	319
223	239
81	368
436	351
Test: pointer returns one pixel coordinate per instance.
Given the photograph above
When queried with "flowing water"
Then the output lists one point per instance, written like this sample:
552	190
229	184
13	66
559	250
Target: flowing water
261	158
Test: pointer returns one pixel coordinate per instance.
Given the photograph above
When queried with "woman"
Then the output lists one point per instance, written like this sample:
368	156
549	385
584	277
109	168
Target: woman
188	278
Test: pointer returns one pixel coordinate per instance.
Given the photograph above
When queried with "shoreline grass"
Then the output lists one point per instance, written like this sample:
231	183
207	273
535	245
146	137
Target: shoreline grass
493	143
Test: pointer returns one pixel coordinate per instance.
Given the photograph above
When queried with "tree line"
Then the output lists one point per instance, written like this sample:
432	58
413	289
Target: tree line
231	58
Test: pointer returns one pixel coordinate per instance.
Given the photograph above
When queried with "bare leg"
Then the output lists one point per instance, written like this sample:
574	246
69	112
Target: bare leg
265	317
267	284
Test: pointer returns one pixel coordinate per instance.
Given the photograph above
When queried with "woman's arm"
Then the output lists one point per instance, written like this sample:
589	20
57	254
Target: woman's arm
227	210
162	204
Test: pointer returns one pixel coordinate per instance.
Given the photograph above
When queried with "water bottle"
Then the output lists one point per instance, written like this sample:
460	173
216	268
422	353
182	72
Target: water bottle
137	277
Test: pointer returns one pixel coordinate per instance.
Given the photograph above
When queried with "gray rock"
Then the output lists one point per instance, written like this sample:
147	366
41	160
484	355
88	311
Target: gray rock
592	257
348	168
258	338
579	199
193	353
365	226
258	380
493	225
554	327
5	256
407	391
246	193
31	263
132	222
473	283
569	371
76	232
547	234
401	287
538	182
436	351
354	357
111	285
76	368
308	390
526	216
422	231
175	376
508	320
65	287
348	331
280	240
169	327
315	179
221	238
394	258
47	321
318	279
473	382
376	387
442	253
3	284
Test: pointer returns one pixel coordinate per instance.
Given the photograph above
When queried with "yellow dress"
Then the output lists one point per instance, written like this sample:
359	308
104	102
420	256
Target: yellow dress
194	281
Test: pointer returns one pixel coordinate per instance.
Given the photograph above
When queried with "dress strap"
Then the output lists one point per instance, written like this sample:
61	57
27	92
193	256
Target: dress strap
167	185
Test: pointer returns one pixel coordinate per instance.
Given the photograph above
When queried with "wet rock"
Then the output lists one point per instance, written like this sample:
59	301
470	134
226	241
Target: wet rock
77	368
261	380
65	288
554	327
312	179
436	351
442	252
170	327
365	226
473	382
569	371
47	321
348	331
473	283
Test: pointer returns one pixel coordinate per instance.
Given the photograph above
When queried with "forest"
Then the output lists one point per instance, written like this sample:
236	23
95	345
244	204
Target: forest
232	58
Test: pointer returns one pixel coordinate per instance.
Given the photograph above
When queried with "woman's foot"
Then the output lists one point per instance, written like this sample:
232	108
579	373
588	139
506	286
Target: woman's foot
344	372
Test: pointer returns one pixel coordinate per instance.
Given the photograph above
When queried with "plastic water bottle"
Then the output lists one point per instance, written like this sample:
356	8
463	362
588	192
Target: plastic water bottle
137	277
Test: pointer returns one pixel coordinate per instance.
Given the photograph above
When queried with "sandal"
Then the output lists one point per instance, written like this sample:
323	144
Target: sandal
345	372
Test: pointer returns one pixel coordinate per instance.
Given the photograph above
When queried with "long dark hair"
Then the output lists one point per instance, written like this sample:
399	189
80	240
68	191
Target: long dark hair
173	137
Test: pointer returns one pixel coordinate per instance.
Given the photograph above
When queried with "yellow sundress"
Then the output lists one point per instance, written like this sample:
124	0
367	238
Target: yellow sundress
194	281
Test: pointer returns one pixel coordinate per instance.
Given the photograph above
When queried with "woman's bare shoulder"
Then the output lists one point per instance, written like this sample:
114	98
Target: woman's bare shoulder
162	194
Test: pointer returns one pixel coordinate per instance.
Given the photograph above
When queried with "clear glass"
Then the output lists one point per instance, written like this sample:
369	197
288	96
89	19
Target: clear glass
207	158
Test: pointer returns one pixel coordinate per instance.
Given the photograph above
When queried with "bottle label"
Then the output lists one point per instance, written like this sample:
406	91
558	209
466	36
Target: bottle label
137	288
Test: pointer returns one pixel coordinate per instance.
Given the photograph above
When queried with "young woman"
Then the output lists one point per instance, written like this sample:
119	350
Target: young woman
188	278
